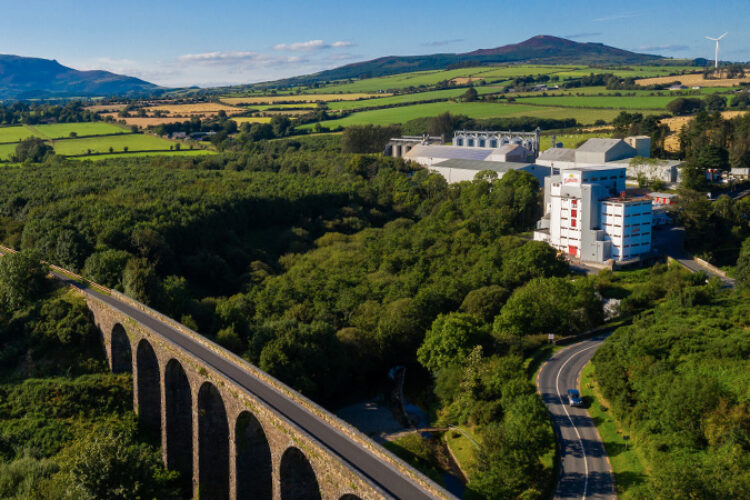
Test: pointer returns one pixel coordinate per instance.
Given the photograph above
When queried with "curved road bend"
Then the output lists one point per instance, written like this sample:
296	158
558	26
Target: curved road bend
377	471
584	468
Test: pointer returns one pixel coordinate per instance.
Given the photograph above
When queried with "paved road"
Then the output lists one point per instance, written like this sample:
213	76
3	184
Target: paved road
584	467
379	472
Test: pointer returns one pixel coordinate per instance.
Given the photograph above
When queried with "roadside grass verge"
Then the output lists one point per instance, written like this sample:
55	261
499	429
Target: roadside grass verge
624	455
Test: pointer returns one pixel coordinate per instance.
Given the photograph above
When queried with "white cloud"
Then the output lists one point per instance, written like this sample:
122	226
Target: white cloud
220	57
311	45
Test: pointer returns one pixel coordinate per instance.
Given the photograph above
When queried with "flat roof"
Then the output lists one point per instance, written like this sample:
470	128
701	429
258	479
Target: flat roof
627	199
479	165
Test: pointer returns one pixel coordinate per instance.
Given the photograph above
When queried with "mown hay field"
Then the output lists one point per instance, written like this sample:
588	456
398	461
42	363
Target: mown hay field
293	98
693	80
200	109
252	119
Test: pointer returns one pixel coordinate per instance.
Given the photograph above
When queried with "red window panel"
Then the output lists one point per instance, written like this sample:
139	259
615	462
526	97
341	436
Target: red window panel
573	223
574	203
574	213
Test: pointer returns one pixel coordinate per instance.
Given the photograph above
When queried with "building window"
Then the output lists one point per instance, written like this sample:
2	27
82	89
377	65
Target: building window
460	142
481	143
573	223
574	213
574	203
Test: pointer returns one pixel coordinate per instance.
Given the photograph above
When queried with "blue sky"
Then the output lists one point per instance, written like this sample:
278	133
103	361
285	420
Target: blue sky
187	42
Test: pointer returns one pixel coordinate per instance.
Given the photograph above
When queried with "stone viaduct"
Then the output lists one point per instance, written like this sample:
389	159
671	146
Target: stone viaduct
231	430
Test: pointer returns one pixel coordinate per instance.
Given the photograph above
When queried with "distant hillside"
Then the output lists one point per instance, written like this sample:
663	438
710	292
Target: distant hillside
34	78
542	49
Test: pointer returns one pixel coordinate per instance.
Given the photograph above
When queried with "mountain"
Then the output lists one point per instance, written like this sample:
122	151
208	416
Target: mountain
34	78
542	49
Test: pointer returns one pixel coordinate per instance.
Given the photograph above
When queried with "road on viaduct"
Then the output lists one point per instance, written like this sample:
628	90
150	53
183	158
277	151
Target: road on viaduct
385	476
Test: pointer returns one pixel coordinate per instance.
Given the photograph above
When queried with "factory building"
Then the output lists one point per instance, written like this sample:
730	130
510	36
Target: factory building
588	217
614	153
466	170
496	139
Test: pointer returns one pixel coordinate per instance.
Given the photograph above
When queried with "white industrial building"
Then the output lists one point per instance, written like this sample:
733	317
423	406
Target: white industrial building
614	153
466	170
588	216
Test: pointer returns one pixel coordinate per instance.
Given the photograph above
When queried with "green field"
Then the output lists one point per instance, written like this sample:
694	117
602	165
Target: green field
60	130
15	134
134	142
571	140
6	150
609	102
472	109
182	152
493	73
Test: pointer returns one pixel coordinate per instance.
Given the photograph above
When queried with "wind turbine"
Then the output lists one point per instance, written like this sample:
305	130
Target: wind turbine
716	60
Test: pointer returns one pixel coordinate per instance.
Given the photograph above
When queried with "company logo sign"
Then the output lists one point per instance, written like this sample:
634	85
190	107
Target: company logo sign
572	178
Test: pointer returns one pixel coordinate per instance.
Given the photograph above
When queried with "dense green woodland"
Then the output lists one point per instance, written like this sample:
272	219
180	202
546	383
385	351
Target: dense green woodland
326	269
678	379
67	430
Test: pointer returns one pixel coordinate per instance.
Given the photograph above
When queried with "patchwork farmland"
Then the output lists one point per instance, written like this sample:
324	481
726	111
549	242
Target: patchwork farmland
90	139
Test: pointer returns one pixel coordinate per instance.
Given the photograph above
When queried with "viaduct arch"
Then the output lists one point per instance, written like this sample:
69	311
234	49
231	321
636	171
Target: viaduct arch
213	414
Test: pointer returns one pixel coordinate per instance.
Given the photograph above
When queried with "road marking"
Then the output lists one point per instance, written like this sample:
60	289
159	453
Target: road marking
565	409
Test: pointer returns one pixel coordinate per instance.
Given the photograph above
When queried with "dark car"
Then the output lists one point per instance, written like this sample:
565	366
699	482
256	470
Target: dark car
574	398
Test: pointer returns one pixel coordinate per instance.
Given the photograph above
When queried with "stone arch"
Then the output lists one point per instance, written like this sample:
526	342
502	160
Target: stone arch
213	445
121	354
298	481
254	468
149	393
178	402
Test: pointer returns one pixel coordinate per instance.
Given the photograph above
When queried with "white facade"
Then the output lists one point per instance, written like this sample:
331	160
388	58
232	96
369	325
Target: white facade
584	219
627	222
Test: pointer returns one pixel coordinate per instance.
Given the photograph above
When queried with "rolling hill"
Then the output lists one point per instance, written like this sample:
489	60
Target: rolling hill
34	78
541	49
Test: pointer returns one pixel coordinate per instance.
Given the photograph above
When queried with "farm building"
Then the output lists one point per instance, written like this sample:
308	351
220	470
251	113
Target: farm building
740	173
466	170
588	217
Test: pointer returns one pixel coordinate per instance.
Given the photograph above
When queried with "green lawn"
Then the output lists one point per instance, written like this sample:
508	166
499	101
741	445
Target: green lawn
398	99
61	130
183	152
134	143
627	464
15	134
472	109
